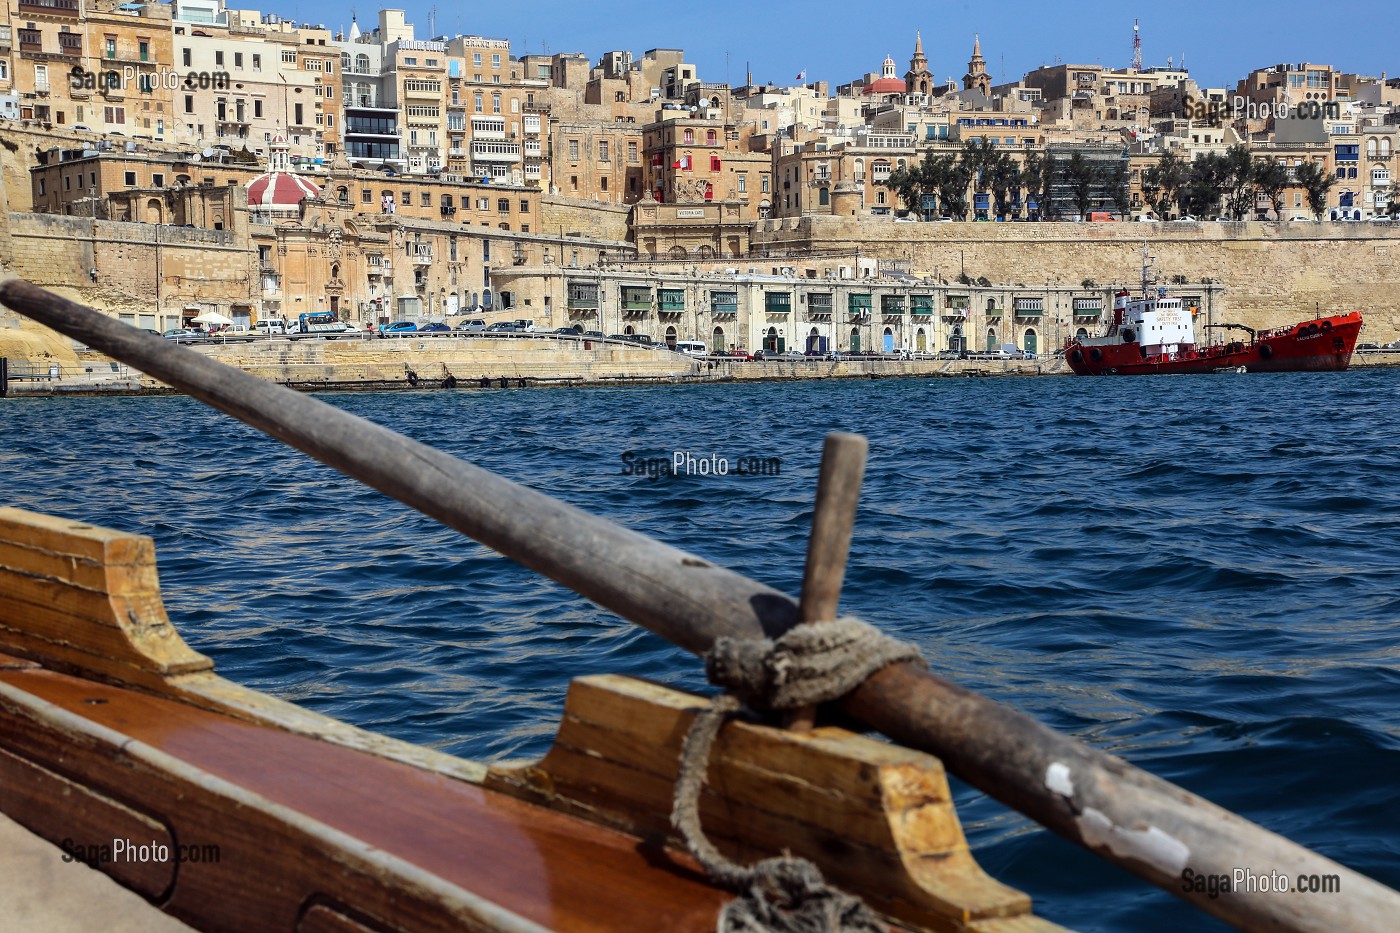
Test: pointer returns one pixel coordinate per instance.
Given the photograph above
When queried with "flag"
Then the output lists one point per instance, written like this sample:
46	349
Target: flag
802	75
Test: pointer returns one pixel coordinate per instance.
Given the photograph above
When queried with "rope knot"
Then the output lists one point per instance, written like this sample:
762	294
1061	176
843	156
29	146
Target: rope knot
809	664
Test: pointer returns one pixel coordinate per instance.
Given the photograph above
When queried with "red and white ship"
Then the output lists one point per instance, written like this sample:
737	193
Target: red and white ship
1157	335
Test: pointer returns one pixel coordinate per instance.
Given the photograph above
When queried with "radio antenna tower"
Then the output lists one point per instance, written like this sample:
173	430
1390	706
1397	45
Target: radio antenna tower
1137	47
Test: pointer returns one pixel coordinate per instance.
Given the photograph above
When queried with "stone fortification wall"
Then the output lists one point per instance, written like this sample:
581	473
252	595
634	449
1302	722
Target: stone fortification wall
590	219
139	267
1273	274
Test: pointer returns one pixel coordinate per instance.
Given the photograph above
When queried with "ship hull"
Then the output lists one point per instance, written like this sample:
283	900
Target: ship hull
1322	345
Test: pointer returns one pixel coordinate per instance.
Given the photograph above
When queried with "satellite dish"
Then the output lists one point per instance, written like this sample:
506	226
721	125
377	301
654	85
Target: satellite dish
208	153
693	108
196	157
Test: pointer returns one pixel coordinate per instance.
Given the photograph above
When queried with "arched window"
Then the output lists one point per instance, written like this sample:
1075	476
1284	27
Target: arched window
1029	342
344	61
362	63
860	170
335	271
688	137
991	305
154	212
711	138
1371	145
1385	147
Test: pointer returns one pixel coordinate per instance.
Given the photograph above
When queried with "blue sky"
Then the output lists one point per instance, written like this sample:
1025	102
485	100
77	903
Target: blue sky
838	42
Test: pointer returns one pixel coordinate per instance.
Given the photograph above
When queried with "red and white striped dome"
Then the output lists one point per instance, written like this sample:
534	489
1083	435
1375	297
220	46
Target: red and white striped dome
279	189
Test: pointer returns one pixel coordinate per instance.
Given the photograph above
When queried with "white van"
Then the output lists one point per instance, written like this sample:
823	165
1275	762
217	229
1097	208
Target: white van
691	348
270	326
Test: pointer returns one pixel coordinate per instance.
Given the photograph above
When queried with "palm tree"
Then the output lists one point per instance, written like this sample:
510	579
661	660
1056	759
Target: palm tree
1315	182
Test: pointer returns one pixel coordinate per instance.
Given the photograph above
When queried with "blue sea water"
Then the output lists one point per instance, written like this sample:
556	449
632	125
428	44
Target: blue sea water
1196	573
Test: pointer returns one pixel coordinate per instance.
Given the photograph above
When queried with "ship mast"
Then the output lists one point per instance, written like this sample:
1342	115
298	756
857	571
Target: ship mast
1147	278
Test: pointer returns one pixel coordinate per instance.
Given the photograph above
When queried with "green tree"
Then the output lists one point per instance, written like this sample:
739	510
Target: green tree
1004	178
1162	183
1116	184
1038	178
950	177
1315	182
1081	175
1238	168
1270	179
1206	184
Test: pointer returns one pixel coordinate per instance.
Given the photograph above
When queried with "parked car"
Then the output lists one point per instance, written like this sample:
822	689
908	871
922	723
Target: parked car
627	337
399	328
270	326
593	333
566	331
524	326
353	329
435	328
1360	348
502	327
474	326
185	335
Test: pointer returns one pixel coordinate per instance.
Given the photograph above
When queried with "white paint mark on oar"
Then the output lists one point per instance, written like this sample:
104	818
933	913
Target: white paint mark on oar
1151	846
1058	780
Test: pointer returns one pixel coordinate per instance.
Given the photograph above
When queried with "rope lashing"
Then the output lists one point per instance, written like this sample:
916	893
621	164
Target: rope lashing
810	664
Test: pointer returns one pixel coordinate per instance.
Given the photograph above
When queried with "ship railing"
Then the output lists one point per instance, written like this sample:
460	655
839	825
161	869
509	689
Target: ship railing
1142	823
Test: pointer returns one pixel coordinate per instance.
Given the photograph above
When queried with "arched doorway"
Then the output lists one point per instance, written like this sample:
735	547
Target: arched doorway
705	251
154	212
671	337
855	339
628	331
956	341
921	341
677	252
1081	334
888	345
1030	342
991	338
815	344
772	342
717	341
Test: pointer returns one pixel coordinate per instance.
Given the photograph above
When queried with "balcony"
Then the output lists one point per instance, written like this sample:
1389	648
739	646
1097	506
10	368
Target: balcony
922	305
636	300
1088	308
49	7
777	302
1030	307
495	151
457	152
583	298
672	301
421	255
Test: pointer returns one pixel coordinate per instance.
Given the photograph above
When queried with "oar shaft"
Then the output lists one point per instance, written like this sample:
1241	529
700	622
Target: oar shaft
686	600
1138	821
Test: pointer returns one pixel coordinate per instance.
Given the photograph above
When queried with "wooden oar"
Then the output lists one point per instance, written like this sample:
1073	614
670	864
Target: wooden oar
1138	821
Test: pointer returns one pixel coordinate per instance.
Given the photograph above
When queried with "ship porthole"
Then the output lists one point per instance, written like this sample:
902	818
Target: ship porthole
1265	351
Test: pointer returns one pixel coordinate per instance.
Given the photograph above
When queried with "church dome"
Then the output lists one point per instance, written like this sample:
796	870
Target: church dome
279	189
